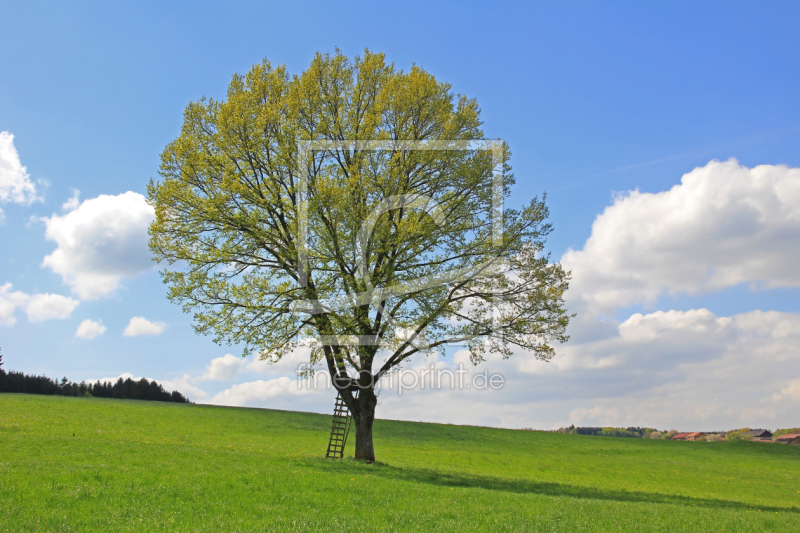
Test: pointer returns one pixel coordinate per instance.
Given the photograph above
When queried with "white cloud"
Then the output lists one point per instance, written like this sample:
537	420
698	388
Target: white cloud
124	376
48	306
261	391
224	368
100	242
73	202
15	183
89	329
289	364
141	326
603	416
723	225
790	393
38	307
656	341
690	370
9	301
184	385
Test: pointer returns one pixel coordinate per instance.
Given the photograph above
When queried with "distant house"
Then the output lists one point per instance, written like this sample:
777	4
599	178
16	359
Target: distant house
688	436
761	434
788	437
795	441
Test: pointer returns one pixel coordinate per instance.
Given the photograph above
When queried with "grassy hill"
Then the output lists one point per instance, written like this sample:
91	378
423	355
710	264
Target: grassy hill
87	464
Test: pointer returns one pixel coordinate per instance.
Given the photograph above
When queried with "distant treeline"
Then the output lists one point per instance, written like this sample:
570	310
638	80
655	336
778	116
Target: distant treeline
631	432
650	433
123	389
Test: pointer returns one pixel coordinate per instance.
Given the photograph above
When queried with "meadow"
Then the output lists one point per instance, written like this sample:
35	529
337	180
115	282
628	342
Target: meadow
91	464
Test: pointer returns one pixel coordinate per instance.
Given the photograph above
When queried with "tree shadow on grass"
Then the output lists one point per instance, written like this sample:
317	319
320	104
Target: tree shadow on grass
523	486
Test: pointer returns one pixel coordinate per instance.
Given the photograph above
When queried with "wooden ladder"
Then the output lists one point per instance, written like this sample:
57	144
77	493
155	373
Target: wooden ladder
339	429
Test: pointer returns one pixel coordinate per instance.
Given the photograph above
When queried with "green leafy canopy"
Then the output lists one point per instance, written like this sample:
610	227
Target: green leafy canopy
238	202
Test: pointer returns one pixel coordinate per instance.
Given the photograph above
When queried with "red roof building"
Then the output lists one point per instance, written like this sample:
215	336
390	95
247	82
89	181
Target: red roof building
787	438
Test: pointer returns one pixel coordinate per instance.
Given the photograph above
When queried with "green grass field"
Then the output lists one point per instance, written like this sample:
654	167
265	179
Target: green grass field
149	466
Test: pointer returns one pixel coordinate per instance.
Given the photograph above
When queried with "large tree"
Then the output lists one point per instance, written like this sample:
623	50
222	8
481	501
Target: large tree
297	211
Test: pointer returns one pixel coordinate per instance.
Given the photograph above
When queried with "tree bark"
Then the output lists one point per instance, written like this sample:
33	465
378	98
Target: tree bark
363	418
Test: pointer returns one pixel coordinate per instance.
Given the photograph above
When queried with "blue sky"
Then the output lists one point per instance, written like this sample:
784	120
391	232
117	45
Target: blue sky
595	99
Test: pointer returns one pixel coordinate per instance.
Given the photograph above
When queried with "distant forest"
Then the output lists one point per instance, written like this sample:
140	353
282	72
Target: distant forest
127	389
631	432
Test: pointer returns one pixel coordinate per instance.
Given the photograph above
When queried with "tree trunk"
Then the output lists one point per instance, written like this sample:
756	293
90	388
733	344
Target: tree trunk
363	418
